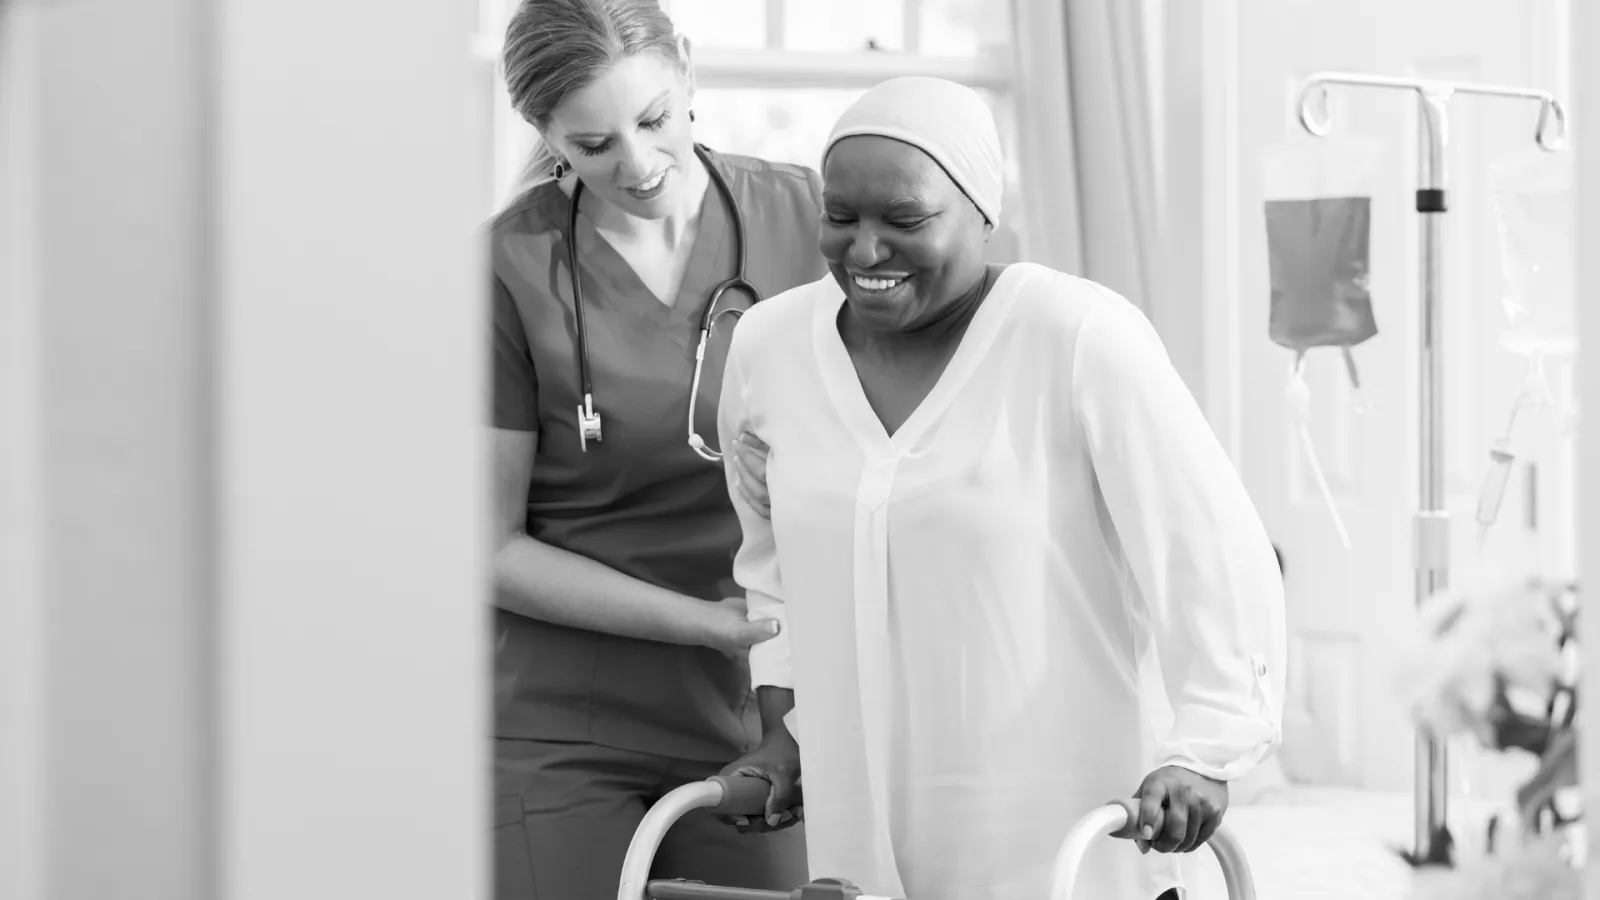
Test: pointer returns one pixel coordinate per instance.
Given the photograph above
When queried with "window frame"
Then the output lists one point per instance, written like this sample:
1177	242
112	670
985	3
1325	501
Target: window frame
1047	227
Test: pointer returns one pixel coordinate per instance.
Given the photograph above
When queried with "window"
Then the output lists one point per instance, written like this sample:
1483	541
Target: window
773	75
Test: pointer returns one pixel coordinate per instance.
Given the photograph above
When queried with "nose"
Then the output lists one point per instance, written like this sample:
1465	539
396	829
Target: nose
634	163
866	250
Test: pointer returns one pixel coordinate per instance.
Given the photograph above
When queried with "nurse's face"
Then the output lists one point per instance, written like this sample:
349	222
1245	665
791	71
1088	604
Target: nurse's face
900	237
627	133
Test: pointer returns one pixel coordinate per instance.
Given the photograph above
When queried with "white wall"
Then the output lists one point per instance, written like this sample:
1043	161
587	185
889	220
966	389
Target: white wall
241	476
1586	125
107	430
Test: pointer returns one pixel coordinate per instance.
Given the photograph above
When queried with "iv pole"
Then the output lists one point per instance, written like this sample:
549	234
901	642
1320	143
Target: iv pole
1430	548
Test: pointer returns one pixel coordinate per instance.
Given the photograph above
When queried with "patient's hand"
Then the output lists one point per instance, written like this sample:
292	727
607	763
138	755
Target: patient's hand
750	473
776	760
1179	810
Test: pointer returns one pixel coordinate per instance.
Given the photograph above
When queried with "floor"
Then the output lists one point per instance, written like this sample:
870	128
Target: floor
1327	844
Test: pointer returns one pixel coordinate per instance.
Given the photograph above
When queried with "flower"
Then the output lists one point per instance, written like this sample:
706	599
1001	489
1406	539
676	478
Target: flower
1490	663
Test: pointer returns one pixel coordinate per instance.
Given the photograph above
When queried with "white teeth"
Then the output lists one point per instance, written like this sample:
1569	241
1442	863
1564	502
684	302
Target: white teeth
876	284
651	185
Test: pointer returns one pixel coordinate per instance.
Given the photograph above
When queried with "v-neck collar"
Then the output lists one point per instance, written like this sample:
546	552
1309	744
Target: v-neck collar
843	383
620	285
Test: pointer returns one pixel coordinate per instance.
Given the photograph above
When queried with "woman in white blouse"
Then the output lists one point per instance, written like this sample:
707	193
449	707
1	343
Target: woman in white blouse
999	526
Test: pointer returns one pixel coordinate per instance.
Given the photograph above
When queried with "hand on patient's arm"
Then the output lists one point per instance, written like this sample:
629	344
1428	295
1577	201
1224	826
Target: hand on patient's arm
750	473
728	630
551	584
776	759
1179	810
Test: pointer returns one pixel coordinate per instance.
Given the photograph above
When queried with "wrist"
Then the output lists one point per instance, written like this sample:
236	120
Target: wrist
705	627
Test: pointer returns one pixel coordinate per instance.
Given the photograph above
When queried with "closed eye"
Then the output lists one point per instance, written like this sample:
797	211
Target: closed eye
655	124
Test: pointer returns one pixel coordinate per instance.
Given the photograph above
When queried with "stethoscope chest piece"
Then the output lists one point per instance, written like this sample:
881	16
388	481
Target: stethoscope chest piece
589	428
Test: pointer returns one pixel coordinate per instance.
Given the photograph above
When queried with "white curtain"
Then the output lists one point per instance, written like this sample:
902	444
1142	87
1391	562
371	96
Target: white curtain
1090	142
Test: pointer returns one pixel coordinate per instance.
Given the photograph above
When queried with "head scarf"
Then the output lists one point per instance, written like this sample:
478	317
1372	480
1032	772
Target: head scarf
948	121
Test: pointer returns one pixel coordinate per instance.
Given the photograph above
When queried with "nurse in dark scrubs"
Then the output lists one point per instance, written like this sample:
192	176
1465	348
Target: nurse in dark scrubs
620	667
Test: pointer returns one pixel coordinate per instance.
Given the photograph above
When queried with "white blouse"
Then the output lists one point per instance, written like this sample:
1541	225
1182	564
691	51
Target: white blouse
980	610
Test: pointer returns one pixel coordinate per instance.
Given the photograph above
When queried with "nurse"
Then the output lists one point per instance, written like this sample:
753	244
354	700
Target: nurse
1017	575
621	637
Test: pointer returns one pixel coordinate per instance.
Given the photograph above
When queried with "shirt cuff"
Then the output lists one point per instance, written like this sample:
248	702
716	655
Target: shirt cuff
770	665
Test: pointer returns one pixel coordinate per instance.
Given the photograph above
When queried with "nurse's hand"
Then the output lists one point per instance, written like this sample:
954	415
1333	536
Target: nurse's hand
1179	810
750	473
729	632
776	760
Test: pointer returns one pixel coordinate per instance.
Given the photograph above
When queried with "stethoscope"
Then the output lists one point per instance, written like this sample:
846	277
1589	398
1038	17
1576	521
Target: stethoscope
589	427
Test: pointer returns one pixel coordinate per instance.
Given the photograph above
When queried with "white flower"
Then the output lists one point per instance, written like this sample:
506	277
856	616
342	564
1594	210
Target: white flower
1471	644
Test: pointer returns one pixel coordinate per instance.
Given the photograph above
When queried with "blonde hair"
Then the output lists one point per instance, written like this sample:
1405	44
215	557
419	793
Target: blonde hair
556	47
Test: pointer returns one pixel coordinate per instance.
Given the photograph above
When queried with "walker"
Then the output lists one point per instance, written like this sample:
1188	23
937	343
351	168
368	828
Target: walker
747	796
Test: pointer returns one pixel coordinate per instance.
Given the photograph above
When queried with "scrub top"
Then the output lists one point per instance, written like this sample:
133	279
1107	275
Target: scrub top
640	500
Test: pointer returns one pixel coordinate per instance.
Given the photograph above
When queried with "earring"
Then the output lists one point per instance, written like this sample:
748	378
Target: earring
691	115
559	170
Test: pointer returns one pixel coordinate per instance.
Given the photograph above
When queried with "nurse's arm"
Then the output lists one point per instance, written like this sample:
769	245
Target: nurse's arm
548	583
1193	543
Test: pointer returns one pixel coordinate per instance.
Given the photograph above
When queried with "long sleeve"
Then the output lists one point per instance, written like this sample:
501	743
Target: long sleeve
755	564
1195	547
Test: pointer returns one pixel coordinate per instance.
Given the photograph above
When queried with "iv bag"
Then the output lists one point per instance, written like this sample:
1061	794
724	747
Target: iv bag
1318	207
1534	214
1318	211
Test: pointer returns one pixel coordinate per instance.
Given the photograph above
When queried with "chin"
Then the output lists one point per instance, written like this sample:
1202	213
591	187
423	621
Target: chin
884	318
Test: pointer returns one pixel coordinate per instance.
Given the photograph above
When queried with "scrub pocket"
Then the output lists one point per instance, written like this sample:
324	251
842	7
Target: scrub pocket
513	859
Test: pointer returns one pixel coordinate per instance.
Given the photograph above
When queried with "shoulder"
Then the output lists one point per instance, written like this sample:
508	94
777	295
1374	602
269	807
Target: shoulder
1074	309
537	212
776	321
767	181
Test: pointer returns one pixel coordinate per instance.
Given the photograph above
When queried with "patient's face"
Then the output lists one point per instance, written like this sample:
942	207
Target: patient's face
902	240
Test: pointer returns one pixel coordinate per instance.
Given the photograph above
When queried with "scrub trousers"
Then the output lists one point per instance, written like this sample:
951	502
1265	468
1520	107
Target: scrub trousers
565	812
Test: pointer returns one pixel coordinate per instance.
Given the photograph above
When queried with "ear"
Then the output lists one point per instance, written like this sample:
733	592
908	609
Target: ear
686	60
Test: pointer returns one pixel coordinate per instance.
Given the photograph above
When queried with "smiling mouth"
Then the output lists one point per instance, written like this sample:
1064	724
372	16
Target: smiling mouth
877	285
645	187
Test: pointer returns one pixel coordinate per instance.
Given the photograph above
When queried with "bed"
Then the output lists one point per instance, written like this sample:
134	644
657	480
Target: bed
1321	843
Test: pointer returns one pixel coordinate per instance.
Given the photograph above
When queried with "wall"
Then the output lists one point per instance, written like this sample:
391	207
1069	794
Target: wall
107	428
1586	123
242	588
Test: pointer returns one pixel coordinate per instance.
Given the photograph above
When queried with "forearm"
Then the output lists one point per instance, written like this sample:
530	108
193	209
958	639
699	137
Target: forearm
550	584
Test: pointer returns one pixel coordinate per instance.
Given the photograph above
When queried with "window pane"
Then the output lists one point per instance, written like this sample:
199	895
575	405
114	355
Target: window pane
720	23
792	125
962	28
783	125
844	25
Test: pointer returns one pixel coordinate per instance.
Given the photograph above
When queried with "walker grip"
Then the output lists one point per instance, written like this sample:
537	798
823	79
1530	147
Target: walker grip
746	795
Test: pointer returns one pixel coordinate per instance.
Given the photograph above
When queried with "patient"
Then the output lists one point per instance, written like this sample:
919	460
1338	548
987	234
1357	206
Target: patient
994	509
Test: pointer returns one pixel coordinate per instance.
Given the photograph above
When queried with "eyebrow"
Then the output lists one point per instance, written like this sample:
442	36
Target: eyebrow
895	205
600	134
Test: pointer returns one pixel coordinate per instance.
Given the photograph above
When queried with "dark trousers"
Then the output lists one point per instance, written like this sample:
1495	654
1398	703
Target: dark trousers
565	812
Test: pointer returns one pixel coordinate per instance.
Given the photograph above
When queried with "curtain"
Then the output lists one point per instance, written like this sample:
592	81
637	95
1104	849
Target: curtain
1092	163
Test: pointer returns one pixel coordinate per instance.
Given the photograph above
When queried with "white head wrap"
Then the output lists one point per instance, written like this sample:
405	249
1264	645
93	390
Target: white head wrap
950	122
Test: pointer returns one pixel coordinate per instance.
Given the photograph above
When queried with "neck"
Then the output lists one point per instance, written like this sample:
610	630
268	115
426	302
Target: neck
672	229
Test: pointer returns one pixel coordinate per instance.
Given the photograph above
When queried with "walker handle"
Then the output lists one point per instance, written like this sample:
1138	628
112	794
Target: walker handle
1117	815
724	795
746	795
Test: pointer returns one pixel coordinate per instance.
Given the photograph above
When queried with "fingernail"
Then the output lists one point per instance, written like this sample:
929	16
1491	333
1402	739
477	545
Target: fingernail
1148	832
772	626
774	819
